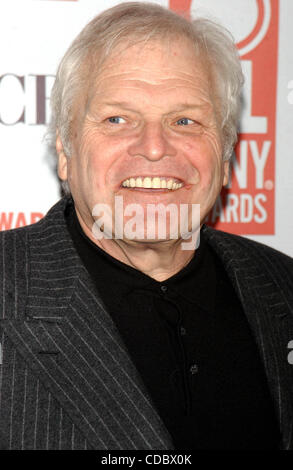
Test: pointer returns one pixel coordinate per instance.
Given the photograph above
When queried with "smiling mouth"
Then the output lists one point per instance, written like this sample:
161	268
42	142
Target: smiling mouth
148	183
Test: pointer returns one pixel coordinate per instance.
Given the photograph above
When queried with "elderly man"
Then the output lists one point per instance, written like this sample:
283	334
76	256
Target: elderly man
121	342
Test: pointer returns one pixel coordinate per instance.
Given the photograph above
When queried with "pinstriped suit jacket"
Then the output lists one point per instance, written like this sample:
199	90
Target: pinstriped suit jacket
67	381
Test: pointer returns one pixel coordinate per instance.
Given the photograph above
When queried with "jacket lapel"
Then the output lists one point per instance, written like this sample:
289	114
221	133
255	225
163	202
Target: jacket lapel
257	280
71	342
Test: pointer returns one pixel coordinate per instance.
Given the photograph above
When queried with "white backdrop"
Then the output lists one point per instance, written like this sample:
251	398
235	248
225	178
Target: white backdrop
34	35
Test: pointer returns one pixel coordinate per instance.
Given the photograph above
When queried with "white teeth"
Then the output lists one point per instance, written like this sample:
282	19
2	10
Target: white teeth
169	184
156	183
149	182
138	183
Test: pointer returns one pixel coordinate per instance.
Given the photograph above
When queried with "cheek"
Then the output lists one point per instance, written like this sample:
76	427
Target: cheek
213	145
72	169
205	156
93	158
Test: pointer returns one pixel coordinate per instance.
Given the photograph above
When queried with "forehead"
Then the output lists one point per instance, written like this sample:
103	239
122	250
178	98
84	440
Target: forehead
161	66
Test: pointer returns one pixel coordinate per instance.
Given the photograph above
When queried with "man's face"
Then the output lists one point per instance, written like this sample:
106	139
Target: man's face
150	112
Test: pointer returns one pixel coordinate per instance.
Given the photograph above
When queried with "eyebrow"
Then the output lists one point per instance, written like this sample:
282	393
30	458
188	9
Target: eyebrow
117	104
126	105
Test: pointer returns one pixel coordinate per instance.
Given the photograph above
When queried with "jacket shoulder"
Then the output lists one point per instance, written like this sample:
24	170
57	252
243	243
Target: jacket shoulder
240	246
53	215
13	238
18	240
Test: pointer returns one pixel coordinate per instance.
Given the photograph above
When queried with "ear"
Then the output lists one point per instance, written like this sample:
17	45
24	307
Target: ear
62	159
226	172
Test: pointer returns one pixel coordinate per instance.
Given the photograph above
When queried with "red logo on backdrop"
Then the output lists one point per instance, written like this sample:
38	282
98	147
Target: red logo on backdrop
9	220
247	206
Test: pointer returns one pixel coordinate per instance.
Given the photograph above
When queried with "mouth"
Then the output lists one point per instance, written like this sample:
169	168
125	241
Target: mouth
152	183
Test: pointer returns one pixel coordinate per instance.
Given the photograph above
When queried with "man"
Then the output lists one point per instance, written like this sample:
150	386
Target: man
136	342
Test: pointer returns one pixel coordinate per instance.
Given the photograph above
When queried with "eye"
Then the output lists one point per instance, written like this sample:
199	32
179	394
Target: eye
116	120
184	122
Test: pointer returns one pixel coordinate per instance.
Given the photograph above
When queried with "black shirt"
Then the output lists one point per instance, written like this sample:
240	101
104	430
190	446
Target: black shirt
192	345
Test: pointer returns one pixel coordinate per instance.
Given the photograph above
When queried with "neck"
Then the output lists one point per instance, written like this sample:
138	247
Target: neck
158	259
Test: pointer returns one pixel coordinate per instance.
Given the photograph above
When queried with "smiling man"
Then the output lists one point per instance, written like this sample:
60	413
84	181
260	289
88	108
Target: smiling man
149	118
136	342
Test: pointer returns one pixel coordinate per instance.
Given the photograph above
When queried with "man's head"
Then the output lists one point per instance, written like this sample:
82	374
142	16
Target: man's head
143	92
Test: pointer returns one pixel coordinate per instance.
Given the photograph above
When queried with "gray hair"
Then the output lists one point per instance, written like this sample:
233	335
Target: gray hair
141	21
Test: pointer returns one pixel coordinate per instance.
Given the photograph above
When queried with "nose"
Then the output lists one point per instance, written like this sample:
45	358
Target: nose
152	143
